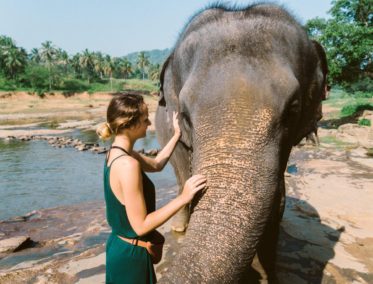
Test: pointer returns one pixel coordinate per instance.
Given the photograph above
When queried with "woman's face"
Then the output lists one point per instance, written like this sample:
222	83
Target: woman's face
143	124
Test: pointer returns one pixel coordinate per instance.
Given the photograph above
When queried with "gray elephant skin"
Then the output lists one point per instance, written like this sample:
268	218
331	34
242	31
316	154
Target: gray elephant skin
248	84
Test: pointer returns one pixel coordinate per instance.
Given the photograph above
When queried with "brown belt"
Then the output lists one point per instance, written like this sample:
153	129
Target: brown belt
134	242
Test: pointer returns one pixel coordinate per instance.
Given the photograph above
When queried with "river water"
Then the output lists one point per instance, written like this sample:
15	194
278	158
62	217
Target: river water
35	175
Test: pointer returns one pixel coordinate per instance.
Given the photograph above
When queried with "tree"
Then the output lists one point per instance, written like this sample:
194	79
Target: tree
48	54
347	38
87	64
142	62
108	68
35	55
62	59
98	63
155	72
123	67
14	61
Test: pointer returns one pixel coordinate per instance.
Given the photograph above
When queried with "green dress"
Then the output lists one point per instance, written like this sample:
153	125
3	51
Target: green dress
126	263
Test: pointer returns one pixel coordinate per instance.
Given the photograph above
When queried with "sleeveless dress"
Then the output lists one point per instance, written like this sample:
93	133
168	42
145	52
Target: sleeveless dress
126	263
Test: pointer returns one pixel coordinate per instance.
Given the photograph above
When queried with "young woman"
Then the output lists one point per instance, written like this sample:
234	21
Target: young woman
130	194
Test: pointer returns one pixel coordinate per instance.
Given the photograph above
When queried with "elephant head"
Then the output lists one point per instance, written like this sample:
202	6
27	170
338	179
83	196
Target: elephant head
247	84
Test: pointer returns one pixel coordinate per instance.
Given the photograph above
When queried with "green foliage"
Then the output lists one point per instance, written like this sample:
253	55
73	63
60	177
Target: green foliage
74	85
365	85
156	56
36	77
364	122
50	68
7	85
355	109
347	38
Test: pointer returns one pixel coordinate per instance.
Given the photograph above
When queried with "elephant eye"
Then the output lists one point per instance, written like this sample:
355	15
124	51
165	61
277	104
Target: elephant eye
291	110
294	106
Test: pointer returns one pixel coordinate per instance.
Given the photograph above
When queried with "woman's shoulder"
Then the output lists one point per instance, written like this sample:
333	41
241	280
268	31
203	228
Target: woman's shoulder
126	162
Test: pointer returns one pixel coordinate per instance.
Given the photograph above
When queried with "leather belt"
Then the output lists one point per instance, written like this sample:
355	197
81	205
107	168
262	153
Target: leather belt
135	242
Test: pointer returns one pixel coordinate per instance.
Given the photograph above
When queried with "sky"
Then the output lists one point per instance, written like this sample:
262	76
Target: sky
115	27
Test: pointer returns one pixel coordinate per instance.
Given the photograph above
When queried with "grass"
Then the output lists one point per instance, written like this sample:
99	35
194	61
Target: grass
364	122
334	141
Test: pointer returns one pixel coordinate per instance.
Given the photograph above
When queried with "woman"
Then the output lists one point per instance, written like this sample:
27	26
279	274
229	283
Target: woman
129	193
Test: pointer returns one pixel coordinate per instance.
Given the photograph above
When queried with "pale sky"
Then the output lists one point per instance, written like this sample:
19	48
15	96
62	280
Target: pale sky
114	27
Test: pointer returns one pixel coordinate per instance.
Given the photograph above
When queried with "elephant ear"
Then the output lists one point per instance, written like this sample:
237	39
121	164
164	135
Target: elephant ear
162	100
169	100
321	54
315	93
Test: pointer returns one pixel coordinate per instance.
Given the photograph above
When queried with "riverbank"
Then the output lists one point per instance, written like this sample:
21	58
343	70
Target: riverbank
22	108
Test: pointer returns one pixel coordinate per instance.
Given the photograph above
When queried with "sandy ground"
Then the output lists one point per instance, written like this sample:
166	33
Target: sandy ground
24	109
326	233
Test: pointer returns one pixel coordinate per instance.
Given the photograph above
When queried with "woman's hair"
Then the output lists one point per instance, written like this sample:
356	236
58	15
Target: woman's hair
124	111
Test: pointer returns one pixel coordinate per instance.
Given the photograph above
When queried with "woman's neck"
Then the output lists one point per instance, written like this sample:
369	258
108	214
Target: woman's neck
124	142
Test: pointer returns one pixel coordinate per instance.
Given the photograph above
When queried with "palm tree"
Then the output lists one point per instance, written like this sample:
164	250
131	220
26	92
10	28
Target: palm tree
108	68
142	62
14	61
63	59
125	67
75	64
86	63
154	72
48	54
98	63
35	55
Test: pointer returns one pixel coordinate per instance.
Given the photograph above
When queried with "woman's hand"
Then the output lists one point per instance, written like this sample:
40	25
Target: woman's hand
176	125
192	186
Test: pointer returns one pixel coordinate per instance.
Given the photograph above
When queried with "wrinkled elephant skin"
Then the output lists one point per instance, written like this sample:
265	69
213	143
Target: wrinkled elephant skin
248	86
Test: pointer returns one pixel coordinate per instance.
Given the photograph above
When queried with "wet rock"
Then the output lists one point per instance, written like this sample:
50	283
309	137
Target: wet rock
10	138
81	148
13	244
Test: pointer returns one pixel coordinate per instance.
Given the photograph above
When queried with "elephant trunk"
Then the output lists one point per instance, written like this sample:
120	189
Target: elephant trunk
227	221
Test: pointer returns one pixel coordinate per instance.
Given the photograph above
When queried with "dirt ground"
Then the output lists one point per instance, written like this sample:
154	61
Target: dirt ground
326	233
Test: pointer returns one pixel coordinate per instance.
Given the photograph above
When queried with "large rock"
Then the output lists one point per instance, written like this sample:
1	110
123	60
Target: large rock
12	244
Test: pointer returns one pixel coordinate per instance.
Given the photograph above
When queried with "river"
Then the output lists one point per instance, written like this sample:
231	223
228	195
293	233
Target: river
35	175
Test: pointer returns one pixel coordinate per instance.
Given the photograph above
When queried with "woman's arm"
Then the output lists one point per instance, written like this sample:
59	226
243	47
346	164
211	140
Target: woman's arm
130	181
158	163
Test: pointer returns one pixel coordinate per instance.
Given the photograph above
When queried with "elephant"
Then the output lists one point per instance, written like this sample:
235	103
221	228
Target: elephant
247	84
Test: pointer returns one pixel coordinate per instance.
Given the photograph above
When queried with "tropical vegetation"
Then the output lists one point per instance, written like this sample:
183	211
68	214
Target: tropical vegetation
49	68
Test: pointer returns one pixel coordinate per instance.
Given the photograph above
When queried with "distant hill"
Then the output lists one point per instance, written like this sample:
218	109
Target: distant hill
156	56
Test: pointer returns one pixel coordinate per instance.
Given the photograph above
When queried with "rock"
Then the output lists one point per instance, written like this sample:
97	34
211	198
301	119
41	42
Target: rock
81	148
12	244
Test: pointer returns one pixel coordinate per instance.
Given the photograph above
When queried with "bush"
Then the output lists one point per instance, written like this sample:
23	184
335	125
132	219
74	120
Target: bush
74	85
355	109
364	122
363	85
360	94
7	84
36	77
